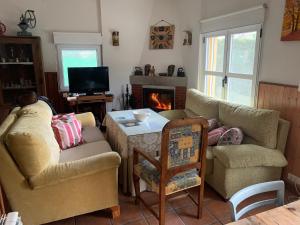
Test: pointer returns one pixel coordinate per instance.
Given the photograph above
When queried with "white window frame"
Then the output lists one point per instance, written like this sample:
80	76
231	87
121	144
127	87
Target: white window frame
62	47
227	34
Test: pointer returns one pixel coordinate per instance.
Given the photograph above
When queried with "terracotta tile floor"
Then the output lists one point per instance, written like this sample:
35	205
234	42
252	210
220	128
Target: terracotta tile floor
180	211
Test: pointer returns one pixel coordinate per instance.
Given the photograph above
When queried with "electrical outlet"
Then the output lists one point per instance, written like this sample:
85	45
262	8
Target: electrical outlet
294	179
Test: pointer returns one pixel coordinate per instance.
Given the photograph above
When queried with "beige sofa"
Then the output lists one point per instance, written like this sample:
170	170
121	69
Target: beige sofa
46	185
260	158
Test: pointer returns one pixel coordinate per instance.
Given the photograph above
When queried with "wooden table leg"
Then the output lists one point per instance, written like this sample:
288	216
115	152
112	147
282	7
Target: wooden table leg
115	212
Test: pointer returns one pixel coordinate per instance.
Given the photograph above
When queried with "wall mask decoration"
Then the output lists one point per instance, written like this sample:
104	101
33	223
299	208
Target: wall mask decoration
162	37
291	21
115	38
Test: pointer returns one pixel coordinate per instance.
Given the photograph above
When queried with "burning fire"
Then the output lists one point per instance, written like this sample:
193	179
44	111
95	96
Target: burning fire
159	105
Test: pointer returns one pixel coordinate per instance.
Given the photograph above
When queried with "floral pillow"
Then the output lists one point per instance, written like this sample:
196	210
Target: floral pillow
215	135
233	136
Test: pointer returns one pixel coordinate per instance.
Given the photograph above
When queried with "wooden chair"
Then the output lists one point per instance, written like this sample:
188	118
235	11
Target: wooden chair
181	165
252	190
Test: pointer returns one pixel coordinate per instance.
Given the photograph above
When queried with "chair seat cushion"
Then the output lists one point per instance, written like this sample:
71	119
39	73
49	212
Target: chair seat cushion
84	151
146	171
244	156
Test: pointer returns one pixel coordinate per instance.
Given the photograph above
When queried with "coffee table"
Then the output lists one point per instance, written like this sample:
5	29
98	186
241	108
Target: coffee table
123	138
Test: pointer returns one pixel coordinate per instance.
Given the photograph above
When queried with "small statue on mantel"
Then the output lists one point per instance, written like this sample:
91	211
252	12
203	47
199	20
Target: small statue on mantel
152	71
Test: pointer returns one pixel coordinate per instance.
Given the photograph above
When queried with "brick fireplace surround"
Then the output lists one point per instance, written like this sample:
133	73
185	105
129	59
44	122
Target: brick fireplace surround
178	83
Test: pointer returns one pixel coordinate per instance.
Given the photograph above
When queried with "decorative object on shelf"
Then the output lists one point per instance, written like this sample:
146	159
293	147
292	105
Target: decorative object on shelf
147	69
188	38
115	38
162	37
138	71
12	57
152	71
2	28
180	72
27	20
291	21
171	70
163	74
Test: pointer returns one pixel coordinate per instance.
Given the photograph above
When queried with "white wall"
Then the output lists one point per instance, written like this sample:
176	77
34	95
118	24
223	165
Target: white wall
53	15
133	18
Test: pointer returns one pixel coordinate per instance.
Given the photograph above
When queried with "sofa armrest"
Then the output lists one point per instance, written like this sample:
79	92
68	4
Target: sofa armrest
63	172
173	114
86	119
282	134
247	155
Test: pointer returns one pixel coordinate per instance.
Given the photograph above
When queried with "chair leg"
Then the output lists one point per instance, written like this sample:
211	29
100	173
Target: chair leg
200	201
136	183
162	207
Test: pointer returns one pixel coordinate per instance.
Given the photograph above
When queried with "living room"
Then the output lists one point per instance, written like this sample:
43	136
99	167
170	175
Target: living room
163	63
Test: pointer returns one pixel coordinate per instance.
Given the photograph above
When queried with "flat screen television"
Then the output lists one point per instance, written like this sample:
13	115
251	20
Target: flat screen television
88	80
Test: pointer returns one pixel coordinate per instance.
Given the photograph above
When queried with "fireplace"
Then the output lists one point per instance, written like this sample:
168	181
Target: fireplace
158	98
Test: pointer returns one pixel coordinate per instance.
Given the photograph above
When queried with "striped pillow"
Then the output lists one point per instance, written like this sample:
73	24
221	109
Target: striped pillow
67	130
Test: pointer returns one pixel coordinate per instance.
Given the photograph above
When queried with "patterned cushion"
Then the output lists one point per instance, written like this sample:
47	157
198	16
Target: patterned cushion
146	171
184	143
233	136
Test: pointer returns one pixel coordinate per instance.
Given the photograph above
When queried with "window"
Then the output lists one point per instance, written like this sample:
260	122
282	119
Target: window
75	56
229	68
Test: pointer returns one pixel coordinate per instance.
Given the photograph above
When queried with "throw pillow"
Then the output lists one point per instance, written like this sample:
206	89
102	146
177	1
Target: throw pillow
67	130
233	136
214	135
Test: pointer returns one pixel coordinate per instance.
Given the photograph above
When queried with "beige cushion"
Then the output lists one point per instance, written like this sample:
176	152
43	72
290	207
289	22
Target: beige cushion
244	156
84	151
39	108
32	144
92	134
259	124
201	104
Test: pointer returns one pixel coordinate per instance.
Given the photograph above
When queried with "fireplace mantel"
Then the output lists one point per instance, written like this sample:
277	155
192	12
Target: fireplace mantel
159	81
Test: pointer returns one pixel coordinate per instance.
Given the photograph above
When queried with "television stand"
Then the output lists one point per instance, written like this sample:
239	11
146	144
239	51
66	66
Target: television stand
96	102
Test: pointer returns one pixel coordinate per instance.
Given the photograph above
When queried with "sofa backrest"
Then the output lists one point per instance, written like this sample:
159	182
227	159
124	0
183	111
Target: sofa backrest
30	140
259	124
199	104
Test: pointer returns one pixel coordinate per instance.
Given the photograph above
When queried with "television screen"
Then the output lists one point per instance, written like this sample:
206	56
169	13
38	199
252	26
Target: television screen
88	80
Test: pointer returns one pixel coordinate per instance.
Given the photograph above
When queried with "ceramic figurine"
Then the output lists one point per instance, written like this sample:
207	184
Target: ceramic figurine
171	70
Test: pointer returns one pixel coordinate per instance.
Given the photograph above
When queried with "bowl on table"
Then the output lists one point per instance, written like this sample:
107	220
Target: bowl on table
140	115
